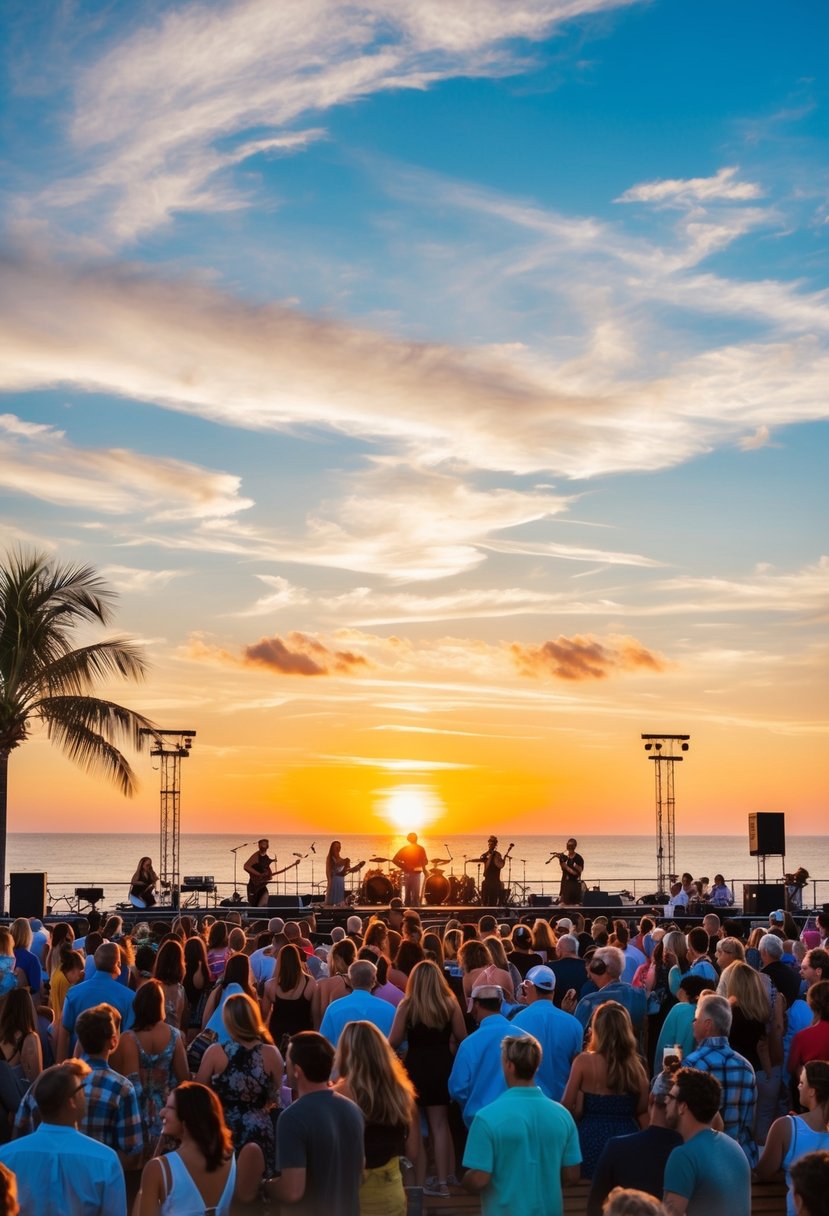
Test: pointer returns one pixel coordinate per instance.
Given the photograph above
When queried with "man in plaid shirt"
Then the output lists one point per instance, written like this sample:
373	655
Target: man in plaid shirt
112	1116
714	1054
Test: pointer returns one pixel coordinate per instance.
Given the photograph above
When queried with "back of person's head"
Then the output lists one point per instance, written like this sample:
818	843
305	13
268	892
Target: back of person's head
113	927
621	933
108	958
22	932
289	967
524	1053
817	998
217	935
243	1020
200	1110
700	1091
810	1184
381	963
17	1015
343	954
362	975
497	949
430	999
91	943
312	1052
169	962
237	971
698	939
718	1010
473	955
568	944
487	924
237	939
71	960
613	959
56	1085
376	1078
148	1006
625	1201
817	1076
693	986
469	931
771	945
377	934
94	921
743	984
96	1027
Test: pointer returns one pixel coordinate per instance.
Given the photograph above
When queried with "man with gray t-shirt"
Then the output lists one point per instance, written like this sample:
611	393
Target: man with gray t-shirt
319	1138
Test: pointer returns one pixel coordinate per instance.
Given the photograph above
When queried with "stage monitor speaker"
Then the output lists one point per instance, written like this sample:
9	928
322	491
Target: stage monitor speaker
761	898
540	901
601	899
286	901
27	895
767	833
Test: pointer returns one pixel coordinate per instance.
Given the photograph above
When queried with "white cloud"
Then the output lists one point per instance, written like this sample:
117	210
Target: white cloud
157	118
39	461
723	186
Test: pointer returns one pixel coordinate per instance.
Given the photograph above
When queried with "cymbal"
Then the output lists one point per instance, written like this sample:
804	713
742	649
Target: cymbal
373	859
439	861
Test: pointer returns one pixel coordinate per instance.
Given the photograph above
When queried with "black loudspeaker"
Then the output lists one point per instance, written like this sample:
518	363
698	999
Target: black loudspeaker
761	898
601	899
540	901
286	901
27	895
767	833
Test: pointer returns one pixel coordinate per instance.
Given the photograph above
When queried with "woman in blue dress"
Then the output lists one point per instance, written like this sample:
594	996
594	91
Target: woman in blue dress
607	1092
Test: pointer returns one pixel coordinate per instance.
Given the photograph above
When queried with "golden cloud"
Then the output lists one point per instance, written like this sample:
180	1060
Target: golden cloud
585	658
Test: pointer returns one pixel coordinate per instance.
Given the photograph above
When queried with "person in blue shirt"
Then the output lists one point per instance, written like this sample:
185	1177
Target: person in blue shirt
698	944
359	1006
708	1175
477	1077
102	988
559	1033
57	1167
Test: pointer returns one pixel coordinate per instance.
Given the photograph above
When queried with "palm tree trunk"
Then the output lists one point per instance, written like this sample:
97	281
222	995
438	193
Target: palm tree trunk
4	791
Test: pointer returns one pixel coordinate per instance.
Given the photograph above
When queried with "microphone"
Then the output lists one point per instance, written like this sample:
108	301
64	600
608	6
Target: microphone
296	854
313	849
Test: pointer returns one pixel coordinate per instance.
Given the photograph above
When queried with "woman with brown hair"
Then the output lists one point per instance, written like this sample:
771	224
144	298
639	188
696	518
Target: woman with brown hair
197	985
430	1021
333	986
478	967
371	1076
217	948
543	941
287	1002
169	971
154	1051
201	1175
607	1092
19	1039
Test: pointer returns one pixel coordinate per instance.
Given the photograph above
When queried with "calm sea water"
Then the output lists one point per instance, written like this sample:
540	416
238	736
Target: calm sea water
613	863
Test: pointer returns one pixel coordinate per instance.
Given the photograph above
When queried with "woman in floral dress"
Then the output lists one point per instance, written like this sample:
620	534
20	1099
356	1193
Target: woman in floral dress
153	1052
246	1074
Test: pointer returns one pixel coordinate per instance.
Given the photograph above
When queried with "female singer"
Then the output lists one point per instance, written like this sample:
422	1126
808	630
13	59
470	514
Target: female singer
336	868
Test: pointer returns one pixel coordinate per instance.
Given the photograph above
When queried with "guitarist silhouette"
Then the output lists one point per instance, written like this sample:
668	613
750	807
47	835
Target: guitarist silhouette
260	872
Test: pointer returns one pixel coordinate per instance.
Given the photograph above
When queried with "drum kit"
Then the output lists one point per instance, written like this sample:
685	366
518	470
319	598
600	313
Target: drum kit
381	886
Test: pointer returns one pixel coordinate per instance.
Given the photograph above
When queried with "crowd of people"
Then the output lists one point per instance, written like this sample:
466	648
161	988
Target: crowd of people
204	1065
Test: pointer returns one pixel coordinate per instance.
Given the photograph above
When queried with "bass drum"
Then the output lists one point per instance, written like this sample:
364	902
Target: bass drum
462	889
436	889
376	888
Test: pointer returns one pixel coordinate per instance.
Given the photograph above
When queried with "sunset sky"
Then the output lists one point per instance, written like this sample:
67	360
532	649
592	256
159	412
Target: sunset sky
443	384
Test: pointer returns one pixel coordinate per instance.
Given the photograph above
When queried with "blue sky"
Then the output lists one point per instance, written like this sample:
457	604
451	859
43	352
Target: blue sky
410	367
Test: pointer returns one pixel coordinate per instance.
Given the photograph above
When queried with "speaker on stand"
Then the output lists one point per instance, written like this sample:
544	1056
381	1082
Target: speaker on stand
27	895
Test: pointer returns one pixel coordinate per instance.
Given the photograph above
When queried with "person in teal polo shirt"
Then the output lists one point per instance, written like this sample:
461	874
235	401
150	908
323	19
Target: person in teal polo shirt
523	1146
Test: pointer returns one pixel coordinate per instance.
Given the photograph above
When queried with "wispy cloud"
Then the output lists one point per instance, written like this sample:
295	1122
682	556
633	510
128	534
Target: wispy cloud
256	66
723	186
39	461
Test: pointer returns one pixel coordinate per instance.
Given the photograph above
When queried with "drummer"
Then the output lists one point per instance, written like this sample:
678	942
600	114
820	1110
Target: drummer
412	860
493	863
142	883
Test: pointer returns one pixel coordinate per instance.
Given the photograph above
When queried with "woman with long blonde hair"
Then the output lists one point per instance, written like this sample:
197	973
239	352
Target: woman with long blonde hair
543	941
429	1019
607	1092
675	955
371	1075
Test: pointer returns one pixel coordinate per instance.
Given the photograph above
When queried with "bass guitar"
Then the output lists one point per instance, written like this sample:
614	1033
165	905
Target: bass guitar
260	879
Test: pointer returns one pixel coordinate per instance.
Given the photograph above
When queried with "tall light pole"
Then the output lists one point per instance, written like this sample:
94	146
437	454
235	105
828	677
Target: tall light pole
171	747
665	751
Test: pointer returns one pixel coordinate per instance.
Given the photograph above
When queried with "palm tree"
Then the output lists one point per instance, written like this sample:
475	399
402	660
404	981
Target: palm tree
43	678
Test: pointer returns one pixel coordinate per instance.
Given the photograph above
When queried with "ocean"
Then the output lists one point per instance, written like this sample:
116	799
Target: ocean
612	863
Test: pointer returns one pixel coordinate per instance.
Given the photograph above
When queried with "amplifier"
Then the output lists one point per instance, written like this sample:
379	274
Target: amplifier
89	895
205	887
198	880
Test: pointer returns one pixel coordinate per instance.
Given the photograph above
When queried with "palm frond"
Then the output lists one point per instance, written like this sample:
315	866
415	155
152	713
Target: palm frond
79	670
65	716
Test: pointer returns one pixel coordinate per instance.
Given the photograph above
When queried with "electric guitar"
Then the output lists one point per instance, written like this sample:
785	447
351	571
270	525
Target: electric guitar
260	879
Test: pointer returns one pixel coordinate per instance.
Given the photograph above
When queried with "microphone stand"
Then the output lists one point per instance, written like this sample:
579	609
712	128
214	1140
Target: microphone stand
236	897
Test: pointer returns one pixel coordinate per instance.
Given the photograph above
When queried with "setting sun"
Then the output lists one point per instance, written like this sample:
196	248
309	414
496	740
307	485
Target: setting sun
410	808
